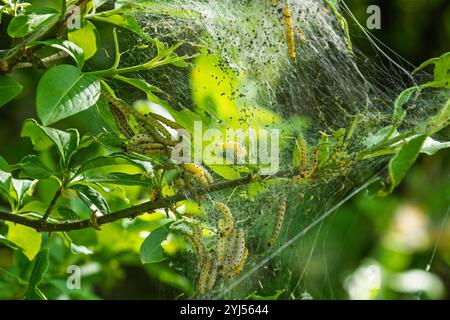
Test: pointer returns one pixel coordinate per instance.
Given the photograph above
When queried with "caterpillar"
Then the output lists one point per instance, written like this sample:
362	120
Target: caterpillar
200	173
166	121
279	220
313	166
239	248
121	122
302	154
230	250
140	139
120	105
204	273
240	266
163	131
213	272
147	122
221	248
196	240
274	3
228	216
146	150
289	27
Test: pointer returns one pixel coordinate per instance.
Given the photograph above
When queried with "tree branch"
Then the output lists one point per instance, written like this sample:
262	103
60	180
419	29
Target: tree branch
132	212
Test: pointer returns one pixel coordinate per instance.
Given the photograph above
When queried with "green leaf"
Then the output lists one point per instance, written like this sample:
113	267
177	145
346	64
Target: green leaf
441	69
5	182
40	266
32	167
28	239
431	146
90	197
111	160
32	20
399	112
402	162
4	166
22	188
9	89
76	249
34	207
68	213
121	20
441	120
275	296
43	138
145	87
75	52
120	178
86	38
64	91
151	250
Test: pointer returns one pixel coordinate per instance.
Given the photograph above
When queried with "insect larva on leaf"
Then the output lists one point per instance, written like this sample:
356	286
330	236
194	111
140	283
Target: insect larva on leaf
213	272
204	273
289	28
279	220
228	216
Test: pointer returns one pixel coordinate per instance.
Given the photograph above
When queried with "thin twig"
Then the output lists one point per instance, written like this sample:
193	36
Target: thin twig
132	212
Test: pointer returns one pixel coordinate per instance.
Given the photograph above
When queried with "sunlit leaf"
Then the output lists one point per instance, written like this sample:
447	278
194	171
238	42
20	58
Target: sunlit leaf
28	239
72	92
86	38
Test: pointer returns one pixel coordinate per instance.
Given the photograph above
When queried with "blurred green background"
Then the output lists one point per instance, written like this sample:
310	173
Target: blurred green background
393	247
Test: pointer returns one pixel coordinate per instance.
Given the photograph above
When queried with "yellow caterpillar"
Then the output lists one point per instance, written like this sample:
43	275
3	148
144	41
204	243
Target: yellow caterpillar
230	250
200	173
279	220
239	248
213	272
221	249
241	263
228	223
196	240
204	273
289	28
